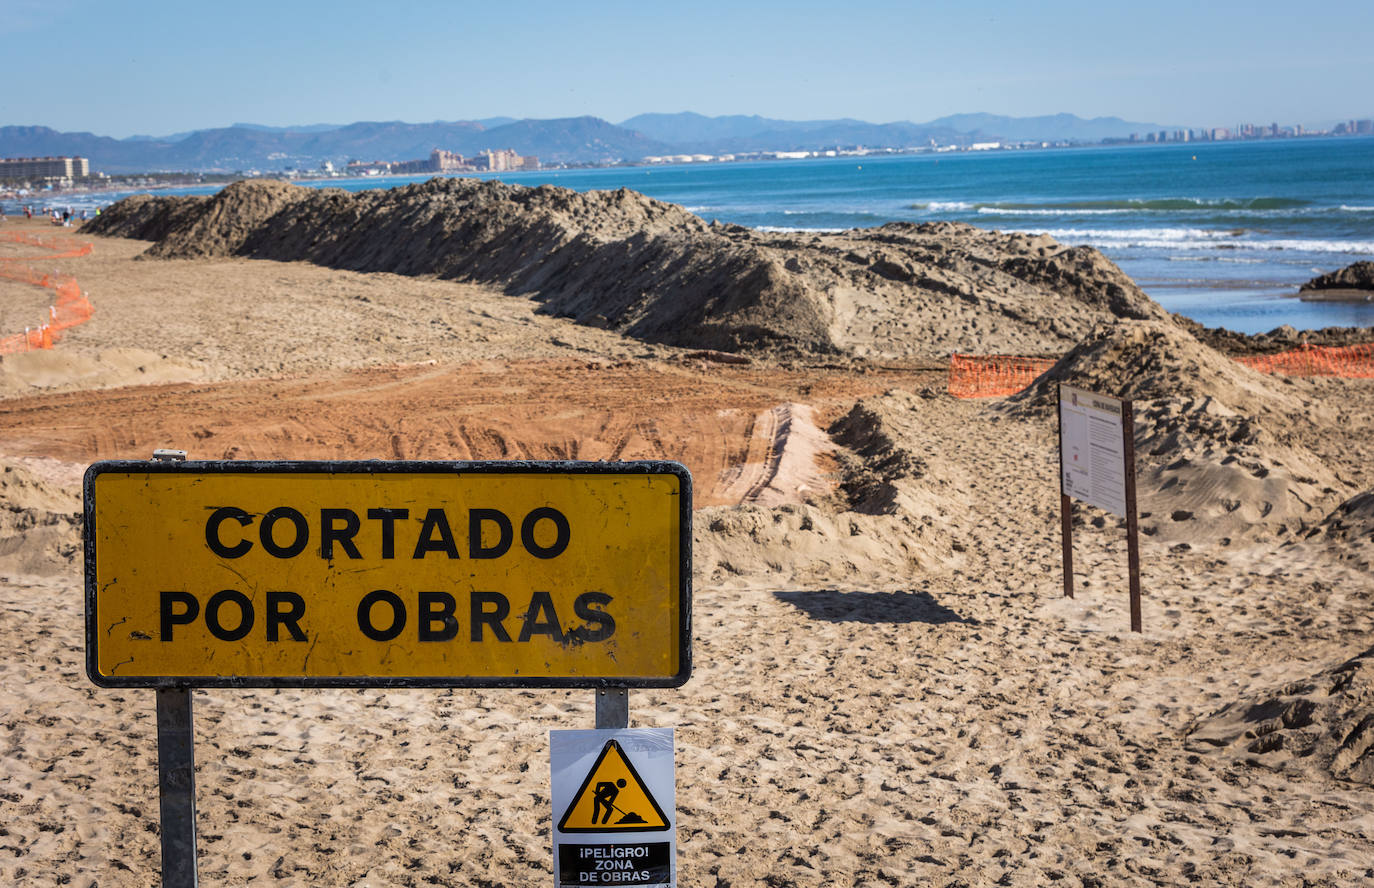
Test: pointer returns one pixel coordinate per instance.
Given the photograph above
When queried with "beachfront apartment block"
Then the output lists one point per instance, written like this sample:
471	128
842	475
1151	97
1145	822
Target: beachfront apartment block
441	161
502	160
44	168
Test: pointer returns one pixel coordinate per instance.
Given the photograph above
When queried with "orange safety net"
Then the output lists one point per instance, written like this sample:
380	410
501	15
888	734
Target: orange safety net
62	247
1351	361
989	376
70	306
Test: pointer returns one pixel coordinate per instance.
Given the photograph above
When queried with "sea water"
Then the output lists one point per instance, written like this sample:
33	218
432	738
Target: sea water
1222	232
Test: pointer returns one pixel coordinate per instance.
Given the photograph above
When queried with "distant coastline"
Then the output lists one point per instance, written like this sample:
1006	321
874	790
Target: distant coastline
248	150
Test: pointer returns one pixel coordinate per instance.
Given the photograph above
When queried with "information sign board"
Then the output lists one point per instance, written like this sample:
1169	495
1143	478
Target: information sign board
614	807
381	573
1092	449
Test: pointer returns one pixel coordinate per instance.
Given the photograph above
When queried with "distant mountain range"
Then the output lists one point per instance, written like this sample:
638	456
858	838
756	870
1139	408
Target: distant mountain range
579	140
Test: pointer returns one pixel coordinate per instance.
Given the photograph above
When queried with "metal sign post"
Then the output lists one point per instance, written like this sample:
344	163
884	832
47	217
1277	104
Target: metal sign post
176	769
1097	466
613	708
176	778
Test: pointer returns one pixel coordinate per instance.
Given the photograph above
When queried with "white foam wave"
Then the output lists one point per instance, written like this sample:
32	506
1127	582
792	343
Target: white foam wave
783	229
1172	235
998	211
1201	239
1234	260
944	206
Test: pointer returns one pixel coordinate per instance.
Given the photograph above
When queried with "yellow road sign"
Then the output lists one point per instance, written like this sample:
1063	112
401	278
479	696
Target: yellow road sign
388	573
613	798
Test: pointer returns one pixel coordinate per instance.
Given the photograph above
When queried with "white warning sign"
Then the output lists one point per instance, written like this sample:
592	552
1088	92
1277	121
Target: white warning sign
1092	449
613	795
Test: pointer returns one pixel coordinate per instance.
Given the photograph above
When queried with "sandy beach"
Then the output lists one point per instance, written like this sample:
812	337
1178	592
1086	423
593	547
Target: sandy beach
890	688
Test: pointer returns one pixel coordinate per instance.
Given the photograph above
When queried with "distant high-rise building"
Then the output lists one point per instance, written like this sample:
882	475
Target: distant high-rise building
442	161
44	168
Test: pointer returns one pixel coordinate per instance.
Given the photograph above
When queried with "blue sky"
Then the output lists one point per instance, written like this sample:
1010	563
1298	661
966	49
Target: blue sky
161	67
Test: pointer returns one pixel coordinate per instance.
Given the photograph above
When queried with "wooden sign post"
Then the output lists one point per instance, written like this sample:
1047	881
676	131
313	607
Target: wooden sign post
1097	466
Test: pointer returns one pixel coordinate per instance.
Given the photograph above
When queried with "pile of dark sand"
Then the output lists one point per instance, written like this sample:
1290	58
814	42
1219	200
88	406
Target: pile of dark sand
147	217
1323	723
1215	451
653	271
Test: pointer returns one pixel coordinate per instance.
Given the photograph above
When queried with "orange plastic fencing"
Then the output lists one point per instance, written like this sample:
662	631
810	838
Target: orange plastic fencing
1351	361
62	247
988	376
991	376
69	307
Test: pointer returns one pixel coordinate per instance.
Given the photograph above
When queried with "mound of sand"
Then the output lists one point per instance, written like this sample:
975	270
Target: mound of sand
147	217
655	272
1215	459
884	473
1348	532
1353	520
806	545
1145	361
40	524
889	520
24	372
1326	722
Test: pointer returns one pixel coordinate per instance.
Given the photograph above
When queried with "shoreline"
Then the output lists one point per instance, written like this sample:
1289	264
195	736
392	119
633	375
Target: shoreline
1340	294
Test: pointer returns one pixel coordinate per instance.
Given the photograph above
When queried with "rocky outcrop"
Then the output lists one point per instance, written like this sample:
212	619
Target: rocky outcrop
653	271
1279	339
1356	276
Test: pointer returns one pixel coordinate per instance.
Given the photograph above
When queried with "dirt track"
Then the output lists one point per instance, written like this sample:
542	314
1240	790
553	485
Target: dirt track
269	360
704	415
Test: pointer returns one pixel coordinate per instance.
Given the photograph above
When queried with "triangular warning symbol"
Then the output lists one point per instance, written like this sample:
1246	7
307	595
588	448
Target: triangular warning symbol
613	798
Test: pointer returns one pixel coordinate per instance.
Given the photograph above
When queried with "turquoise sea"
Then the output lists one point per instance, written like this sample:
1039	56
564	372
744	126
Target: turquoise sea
1221	232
